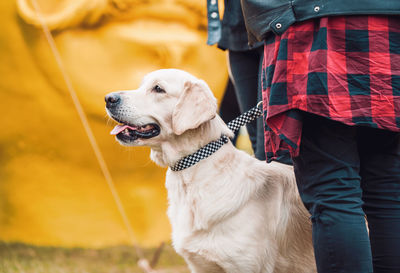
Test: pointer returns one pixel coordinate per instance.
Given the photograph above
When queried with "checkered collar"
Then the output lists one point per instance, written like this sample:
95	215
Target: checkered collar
214	146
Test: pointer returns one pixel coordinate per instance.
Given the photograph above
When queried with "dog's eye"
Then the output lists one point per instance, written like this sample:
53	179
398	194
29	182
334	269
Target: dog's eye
158	89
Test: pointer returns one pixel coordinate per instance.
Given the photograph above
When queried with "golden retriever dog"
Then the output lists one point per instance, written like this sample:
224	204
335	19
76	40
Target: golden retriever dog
229	212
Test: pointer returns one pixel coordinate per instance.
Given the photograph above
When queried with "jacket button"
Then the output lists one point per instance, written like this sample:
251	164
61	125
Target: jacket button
278	25
317	8
213	2
214	15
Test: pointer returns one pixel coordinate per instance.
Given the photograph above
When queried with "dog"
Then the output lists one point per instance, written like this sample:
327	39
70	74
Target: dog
229	212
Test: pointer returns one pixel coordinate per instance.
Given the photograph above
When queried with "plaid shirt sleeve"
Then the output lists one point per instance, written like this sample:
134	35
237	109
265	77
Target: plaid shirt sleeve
345	68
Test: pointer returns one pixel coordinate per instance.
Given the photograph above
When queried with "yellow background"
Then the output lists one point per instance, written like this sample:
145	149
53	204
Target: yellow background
52	191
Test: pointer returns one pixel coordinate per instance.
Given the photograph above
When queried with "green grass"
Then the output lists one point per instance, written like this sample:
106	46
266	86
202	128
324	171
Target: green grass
23	258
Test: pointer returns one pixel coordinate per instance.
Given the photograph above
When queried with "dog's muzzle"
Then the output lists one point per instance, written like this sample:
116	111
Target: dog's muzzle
127	132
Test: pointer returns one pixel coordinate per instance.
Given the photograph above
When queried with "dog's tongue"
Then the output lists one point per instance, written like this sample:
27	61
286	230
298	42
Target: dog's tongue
119	128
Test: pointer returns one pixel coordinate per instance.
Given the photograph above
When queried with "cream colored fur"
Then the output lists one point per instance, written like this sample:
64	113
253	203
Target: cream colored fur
230	212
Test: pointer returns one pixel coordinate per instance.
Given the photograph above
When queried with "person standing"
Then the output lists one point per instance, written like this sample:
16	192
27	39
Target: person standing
331	91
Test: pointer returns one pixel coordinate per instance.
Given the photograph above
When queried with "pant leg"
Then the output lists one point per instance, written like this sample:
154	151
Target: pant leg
327	174
244	72
229	107
260	142
380	176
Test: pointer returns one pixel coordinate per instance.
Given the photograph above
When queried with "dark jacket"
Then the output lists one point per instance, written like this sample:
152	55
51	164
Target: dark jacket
264	17
230	33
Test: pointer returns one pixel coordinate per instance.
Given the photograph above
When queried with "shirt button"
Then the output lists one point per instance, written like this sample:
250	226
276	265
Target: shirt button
278	25
213	2
317	8
214	15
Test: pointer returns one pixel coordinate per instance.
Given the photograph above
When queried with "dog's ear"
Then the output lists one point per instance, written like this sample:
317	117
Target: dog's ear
195	106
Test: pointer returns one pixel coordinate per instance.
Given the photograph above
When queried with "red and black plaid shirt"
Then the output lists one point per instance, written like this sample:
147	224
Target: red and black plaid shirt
343	68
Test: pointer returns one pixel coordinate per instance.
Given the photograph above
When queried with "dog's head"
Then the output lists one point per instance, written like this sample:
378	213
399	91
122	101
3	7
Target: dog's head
168	103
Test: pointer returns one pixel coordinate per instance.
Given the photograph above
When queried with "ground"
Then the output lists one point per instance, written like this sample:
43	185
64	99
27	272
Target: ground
23	258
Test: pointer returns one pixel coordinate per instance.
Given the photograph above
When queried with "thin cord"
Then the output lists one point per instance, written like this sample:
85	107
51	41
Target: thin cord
88	130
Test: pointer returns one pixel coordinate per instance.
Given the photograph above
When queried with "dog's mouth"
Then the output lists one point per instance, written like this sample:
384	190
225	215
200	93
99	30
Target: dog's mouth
129	133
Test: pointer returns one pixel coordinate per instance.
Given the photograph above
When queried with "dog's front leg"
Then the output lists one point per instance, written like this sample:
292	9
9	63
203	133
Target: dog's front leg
252	261
199	264
247	267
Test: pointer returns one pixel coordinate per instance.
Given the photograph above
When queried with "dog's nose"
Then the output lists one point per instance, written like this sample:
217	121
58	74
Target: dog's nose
112	100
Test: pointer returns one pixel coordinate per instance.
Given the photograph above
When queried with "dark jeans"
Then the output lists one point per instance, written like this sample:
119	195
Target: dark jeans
244	68
229	107
345	173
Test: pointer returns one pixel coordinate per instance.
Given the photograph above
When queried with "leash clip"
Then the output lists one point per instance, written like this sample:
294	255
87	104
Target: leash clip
259	104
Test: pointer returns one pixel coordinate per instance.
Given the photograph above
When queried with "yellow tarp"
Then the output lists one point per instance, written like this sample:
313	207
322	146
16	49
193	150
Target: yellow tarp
52	190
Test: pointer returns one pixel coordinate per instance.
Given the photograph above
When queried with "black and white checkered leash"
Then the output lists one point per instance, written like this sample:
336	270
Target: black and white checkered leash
213	146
